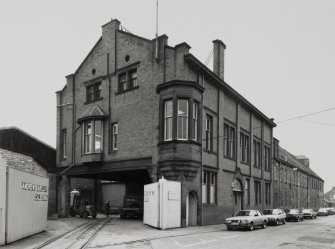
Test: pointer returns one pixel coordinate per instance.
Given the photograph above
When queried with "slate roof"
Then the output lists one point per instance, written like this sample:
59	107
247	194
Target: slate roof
288	158
93	112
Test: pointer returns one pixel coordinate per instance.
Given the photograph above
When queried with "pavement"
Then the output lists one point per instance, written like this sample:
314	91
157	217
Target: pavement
131	234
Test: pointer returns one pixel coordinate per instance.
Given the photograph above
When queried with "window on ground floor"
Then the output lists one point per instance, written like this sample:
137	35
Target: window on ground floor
209	187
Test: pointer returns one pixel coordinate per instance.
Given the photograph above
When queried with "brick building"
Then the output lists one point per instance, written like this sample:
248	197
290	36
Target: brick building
295	184
27	153
137	109
330	198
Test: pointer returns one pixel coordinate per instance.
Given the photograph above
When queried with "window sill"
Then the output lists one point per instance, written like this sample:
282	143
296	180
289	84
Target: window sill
89	102
230	158
245	163
209	205
210	152
179	142
128	90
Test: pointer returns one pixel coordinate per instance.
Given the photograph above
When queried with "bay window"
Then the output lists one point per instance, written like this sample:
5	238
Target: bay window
182	119
93	136
168	120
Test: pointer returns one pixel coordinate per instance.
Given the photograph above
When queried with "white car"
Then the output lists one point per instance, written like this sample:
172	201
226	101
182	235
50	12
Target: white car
246	219
275	216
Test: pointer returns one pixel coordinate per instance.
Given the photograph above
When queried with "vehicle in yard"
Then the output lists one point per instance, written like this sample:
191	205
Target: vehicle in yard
246	219
294	214
309	213
331	211
81	206
132	206
275	216
323	212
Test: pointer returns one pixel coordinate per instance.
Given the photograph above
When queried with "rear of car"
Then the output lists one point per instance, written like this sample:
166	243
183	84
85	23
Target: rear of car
132	207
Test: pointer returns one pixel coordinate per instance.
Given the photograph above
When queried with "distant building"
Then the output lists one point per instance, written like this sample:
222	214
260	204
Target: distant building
330	198
20	149
295	184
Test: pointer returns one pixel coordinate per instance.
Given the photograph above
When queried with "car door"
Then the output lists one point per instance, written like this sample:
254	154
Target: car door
259	218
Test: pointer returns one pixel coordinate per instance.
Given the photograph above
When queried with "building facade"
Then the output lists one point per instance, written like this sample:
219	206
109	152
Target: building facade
329	198
138	109
295	184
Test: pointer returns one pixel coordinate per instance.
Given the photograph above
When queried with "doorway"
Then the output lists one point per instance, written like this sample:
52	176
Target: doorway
191	209
237	196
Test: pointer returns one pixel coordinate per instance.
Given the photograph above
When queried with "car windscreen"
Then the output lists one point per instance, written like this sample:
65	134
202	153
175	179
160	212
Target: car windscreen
242	213
306	210
291	211
268	211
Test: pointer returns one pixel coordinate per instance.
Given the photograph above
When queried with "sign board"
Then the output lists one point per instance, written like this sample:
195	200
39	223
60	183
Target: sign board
332	198
27	204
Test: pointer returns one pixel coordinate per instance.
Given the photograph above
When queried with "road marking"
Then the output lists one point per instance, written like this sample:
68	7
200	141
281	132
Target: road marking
200	243
176	242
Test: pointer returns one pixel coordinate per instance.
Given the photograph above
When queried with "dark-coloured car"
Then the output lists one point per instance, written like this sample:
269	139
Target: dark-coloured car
246	219
132	206
294	214
309	213
330	211
275	216
323	212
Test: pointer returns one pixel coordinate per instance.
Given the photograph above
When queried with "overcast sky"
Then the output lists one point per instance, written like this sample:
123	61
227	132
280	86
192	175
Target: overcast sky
280	56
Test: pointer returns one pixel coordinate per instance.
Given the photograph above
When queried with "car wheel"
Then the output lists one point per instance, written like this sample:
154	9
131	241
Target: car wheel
251	226
84	214
284	221
94	216
264	224
229	228
302	219
122	216
277	222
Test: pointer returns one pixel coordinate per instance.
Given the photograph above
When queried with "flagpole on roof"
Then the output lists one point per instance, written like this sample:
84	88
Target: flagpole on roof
156	49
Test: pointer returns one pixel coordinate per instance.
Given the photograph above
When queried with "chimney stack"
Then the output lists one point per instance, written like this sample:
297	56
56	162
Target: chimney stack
218	58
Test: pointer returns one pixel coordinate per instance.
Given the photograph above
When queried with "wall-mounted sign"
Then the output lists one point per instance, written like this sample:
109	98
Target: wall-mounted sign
38	188
173	196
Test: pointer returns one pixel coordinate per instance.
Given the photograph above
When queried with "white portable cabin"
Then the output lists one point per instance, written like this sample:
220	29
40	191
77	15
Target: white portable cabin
24	188
162	204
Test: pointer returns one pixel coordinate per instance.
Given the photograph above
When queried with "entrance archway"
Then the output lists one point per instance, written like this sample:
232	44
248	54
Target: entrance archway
191	209
237	195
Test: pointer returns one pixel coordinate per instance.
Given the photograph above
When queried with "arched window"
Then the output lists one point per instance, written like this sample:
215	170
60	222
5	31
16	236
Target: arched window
237	185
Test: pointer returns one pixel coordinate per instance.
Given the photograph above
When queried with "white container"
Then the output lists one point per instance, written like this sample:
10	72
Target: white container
23	203
162	204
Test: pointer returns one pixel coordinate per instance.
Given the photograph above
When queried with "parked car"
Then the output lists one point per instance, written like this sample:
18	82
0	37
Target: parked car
246	219
330	211
132	206
275	216
323	212
309	213
294	214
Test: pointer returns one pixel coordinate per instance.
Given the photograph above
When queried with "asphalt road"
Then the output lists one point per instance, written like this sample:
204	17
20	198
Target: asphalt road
308	234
